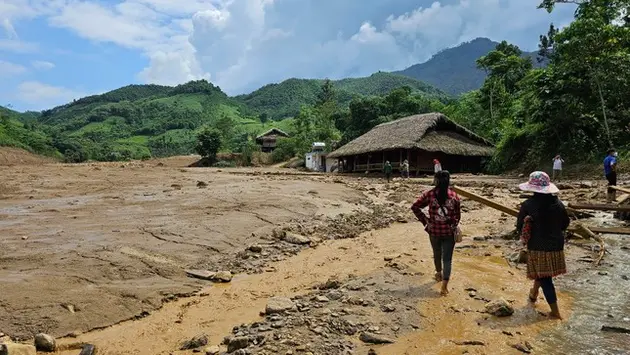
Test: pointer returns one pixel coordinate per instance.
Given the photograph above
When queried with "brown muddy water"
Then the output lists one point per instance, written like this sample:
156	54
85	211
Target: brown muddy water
601	297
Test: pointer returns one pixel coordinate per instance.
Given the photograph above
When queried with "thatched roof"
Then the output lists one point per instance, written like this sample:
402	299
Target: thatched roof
273	132
433	132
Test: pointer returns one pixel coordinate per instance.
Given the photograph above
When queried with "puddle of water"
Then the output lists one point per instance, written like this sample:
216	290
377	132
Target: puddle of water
600	299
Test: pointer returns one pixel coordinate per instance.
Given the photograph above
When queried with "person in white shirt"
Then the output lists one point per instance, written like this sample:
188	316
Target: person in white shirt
557	167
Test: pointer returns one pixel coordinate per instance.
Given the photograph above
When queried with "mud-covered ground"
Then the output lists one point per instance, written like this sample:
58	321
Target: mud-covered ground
87	246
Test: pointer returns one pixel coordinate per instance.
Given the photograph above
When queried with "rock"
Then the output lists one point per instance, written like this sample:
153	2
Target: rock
17	349
222	276
523	347
25	237
625	277
499	308
322	299
332	283
237	343
212	350
255	248
374	339
391	257
519	257
201	184
88	349
194	343
372	352
388	308
279	305
295	238
45	343
470	342
200	274
479	239
615	329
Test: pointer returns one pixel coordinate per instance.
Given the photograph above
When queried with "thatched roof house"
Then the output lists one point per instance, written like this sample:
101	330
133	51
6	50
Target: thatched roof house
418	139
267	140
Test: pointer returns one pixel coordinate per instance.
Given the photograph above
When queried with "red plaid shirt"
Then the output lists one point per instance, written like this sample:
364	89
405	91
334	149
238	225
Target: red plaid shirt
438	225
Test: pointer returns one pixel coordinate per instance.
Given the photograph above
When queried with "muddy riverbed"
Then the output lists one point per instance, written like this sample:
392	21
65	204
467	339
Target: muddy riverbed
87	246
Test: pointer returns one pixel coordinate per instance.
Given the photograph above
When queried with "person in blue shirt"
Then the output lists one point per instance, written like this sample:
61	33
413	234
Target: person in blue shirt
610	171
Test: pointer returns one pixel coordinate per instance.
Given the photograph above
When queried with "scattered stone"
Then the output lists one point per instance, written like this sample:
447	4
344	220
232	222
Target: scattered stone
17	349
322	299
615	329
388	308
332	283
279	305
519	257
237	343
391	257
88	349
470	342
499	308
625	277
255	248
374	339
202	184
201	274
25	237
194	343
505	332
45	343
603	273
294	238
222	276
523	347
70	308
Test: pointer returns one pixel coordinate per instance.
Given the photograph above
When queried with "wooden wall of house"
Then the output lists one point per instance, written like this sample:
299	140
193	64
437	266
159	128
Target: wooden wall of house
420	162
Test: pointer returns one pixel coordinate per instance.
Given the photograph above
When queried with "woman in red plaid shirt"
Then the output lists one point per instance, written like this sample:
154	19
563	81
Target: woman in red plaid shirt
444	215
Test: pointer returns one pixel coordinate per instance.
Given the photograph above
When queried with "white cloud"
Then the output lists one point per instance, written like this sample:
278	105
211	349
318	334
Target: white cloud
11	69
38	95
42	65
17	46
242	44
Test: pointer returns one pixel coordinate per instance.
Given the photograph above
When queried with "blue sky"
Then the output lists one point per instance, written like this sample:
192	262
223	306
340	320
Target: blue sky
53	51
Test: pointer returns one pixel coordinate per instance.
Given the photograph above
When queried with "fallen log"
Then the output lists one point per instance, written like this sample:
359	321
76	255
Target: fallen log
513	212
622	199
625	190
602	246
497	206
599	207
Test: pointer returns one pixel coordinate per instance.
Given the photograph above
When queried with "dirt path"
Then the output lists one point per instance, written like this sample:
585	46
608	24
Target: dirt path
97	244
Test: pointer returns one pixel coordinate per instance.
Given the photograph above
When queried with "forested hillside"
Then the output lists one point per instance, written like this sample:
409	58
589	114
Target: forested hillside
454	70
18	130
285	99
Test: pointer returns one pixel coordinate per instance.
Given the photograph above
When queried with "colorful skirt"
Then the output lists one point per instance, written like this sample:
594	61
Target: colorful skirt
542	264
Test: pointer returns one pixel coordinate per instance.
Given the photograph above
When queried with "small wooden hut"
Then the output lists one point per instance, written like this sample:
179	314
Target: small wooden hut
418	139
267	140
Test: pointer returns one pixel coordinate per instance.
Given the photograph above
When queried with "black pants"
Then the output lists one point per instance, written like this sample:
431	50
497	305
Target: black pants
612	180
546	283
388	176
443	248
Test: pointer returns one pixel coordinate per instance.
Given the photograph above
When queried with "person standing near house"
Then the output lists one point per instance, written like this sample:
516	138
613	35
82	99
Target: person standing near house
442	224
610	171
437	166
405	169
388	171
557	167
542	222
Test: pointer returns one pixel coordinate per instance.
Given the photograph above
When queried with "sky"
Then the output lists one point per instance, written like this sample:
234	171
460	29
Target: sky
54	51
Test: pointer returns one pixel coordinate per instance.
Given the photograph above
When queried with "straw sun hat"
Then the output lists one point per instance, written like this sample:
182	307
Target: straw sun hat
539	182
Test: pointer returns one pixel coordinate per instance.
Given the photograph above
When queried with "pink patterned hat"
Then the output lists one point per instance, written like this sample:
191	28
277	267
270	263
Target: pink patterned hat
539	182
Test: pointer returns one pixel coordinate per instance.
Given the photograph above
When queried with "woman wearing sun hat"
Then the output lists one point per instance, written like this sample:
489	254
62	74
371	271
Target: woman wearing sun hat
542	221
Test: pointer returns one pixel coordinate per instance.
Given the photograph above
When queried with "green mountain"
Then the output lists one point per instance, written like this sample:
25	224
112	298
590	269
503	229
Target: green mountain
140	121
454	70
285	99
18	130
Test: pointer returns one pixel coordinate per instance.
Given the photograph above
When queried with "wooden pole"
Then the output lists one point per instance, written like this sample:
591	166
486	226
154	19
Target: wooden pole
513	212
600	207
620	189
473	196
622	199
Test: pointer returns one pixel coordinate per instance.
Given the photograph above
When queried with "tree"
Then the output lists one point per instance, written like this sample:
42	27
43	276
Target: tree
264	118
208	144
